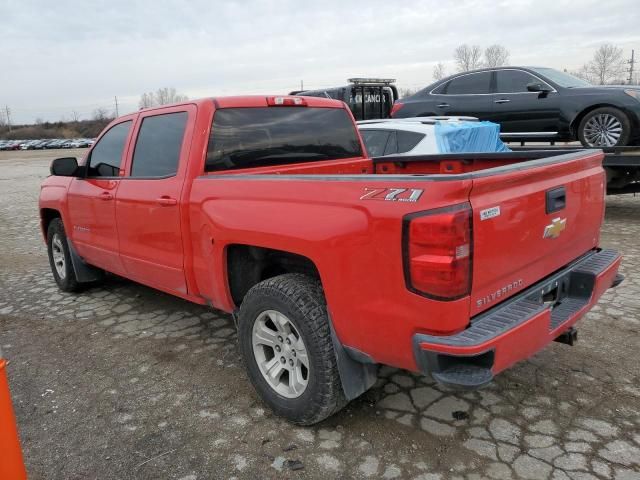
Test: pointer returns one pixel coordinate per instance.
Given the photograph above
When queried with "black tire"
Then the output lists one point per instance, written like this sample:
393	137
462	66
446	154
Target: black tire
625	134
67	282
301	299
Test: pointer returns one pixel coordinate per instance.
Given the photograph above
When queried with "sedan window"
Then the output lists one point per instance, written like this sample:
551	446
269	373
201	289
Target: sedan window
375	141
469	84
513	81
408	140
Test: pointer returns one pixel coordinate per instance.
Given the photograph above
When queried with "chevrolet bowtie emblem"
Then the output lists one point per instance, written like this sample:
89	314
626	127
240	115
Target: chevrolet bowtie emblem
554	229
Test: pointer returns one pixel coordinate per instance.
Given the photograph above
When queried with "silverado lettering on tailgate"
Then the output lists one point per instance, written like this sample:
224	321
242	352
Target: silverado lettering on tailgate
392	194
493	296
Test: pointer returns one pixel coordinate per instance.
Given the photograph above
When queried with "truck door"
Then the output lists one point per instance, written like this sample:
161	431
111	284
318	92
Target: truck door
148	207
91	201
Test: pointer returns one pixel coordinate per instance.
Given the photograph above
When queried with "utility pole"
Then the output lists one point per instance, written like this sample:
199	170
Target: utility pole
116	99
631	63
301	84
8	112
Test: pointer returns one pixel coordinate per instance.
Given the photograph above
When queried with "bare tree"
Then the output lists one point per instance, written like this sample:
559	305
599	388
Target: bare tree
100	113
146	100
75	116
162	96
584	73
406	92
607	64
496	56
467	57
439	72
169	95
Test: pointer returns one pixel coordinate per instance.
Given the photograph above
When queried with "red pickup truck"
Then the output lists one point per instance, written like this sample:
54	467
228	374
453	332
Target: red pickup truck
332	262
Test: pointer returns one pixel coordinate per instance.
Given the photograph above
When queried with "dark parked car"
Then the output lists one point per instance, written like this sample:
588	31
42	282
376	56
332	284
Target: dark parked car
534	103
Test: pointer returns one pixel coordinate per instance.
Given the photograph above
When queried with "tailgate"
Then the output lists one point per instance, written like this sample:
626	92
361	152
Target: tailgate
531	219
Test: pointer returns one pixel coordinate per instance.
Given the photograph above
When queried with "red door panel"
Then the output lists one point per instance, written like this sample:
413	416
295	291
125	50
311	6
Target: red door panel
149	232
92	222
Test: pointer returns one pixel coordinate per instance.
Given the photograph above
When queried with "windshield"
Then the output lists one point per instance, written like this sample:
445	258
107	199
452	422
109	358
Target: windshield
255	137
561	78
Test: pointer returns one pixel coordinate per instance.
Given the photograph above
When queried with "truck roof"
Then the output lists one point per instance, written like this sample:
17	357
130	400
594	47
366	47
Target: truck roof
240	101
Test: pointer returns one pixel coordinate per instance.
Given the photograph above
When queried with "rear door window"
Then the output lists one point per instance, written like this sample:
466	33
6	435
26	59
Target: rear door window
473	83
158	146
375	141
106	156
265	136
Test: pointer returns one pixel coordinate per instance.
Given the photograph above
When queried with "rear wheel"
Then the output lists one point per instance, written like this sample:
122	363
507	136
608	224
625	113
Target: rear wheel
286	345
604	127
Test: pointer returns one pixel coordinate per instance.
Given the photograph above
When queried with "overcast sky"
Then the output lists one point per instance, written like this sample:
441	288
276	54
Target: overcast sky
62	56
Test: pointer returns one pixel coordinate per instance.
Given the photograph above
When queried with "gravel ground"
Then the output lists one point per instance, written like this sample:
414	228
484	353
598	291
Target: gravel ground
122	382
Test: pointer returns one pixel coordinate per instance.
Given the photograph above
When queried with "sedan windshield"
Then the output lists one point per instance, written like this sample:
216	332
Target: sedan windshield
561	78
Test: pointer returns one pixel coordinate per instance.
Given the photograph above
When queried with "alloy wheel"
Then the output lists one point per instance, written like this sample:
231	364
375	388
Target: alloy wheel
280	353
59	260
603	130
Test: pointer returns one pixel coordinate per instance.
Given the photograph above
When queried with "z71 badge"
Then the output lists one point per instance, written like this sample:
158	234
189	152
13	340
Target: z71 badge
392	194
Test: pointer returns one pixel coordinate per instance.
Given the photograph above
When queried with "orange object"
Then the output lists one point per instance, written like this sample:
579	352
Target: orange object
11	464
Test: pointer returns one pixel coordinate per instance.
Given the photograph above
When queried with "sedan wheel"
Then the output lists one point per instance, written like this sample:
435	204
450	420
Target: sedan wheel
603	130
604	127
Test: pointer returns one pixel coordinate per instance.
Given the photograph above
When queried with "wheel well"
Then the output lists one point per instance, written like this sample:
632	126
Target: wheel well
578	118
46	215
248	265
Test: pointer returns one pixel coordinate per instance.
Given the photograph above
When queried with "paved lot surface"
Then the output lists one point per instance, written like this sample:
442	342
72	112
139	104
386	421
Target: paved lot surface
125	382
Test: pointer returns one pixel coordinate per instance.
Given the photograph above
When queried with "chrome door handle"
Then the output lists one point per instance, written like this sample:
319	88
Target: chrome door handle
166	201
443	105
502	100
106	196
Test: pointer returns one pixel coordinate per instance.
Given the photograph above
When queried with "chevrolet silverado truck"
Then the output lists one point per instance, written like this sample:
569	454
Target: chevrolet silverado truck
332	262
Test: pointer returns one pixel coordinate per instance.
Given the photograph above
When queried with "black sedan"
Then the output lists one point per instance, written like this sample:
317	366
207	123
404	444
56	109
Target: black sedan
534	103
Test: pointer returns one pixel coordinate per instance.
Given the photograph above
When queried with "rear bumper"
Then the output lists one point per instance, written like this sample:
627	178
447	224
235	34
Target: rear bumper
519	327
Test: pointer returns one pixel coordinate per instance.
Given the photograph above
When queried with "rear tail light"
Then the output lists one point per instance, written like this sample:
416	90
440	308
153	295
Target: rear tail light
396	106
286	102
437	252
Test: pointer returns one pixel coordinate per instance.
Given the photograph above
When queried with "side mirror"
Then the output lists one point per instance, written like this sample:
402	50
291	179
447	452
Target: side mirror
64	167
538	87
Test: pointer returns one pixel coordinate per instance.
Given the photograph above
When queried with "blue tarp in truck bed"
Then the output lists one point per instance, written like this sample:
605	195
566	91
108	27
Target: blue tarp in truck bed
465	137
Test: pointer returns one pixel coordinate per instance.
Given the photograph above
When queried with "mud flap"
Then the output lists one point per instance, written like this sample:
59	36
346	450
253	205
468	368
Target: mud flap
85	273
358	371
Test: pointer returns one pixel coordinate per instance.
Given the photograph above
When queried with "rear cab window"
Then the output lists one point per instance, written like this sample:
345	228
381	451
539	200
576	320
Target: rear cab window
268	136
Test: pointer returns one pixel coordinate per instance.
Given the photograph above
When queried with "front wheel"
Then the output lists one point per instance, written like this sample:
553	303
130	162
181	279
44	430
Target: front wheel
286	345
604	127
60	258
